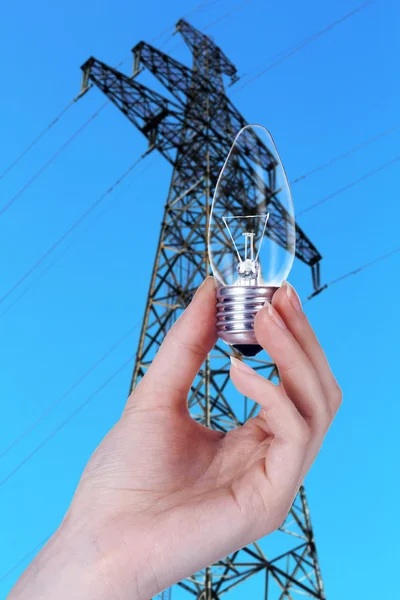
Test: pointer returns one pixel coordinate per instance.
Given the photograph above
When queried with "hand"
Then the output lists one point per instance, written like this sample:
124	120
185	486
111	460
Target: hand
163	496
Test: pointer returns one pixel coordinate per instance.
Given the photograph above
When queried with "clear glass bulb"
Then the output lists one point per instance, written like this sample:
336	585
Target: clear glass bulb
251	235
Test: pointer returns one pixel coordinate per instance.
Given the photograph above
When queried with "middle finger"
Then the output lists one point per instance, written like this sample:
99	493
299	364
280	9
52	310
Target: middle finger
287	303
299	377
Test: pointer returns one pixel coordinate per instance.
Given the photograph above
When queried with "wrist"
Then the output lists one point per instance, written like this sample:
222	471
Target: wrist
65	567
84	561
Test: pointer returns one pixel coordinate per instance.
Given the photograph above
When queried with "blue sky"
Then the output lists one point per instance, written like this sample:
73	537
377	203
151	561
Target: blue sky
332	95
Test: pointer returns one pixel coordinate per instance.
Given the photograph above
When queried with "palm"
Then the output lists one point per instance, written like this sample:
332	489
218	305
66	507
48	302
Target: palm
167	456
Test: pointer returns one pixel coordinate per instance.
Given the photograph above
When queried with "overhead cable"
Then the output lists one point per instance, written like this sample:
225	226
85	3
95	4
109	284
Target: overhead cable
59	256
39	137
305	43
65	422
66	108
344	154
71	388
4	208
354	272
65	235
349	185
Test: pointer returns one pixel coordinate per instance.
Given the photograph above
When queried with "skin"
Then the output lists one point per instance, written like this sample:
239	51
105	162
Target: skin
163	496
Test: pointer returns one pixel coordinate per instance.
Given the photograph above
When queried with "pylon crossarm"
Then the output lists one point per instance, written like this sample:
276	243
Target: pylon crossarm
195	39
176	77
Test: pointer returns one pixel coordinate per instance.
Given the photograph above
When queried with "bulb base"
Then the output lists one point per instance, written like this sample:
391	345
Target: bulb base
247	349
237	307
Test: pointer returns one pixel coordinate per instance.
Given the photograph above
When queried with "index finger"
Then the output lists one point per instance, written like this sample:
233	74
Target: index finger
177	362
288	305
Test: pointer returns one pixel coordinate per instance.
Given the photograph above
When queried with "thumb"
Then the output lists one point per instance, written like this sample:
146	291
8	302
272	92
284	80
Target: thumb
177	362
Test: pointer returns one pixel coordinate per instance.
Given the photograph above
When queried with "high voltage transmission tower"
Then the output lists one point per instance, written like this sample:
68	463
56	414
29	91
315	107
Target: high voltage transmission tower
194	132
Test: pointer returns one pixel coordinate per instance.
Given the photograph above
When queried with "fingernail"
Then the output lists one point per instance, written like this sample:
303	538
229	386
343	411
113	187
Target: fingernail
292	296
274	315
239	364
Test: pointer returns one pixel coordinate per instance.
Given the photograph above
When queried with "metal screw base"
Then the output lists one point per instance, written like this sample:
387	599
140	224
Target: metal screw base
237	307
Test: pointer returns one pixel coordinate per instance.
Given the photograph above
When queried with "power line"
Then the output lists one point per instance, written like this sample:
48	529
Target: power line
69	230
62	113
227	14
354	272
66	108
65	421
49	126
52	158
63	252
197	8
365	266
345	154
62	148
349	185
39	137
203	4
307	41
56	402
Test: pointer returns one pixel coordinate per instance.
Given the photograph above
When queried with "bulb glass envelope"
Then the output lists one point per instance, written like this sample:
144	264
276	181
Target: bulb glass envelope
250	242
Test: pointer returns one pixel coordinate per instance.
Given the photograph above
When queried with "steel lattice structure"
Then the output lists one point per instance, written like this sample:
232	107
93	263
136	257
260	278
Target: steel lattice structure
193	129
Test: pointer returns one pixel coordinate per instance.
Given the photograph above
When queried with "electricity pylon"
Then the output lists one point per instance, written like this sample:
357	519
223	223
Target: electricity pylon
193	128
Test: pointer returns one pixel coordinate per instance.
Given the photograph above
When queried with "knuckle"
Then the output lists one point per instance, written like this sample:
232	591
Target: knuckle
286	367
302	433
257	428
280	514
324	414
195	348
336	396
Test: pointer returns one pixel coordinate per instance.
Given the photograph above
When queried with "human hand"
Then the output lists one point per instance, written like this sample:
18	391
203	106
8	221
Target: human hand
163	496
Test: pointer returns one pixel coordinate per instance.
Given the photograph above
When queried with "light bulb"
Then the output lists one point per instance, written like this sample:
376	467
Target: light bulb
251	235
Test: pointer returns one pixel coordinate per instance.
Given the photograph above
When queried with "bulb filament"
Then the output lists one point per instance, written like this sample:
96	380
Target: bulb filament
248	268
